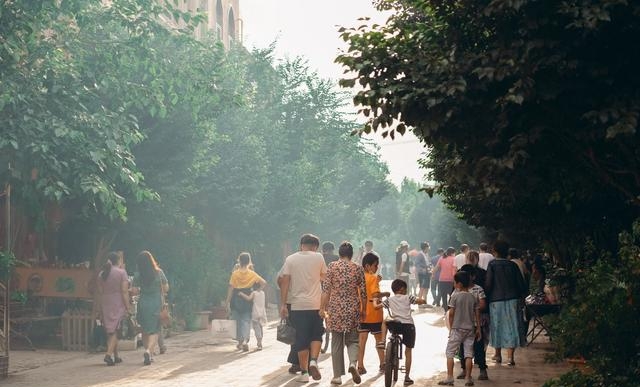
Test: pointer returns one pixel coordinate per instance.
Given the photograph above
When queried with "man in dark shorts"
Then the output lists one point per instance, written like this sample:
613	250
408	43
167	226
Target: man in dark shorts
300	286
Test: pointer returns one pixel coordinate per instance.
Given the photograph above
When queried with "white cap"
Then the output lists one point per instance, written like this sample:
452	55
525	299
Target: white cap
404	243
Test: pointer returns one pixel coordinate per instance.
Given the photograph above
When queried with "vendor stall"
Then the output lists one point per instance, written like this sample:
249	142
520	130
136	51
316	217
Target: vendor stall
54	282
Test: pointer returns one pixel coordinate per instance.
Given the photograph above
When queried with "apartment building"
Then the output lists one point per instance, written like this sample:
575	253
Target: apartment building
223	18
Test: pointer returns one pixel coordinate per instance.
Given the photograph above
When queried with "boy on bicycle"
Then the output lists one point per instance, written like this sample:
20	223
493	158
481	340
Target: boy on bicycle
399	306
464	319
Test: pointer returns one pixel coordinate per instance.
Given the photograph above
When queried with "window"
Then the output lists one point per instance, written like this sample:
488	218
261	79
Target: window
232	26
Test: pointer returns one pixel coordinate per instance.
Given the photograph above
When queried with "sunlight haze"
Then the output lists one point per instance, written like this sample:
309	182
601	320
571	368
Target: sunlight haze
310	29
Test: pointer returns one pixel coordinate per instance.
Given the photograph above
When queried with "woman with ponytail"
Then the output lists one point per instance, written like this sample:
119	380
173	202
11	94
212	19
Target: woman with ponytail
113	288
152	285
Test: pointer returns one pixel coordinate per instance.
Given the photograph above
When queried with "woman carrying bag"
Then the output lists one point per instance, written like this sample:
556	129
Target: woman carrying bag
151	284
113	290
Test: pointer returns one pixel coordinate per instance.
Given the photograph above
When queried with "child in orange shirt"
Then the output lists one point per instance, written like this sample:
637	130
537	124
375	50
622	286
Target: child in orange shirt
372	322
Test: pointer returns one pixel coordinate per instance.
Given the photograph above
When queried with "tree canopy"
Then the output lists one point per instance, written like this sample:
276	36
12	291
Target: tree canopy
529	109
144	138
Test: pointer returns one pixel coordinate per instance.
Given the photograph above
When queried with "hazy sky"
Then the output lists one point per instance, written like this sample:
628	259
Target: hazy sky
308	28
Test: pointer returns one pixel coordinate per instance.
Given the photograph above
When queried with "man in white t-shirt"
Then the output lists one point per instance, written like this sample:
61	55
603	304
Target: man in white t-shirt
461	259
485	256
300	281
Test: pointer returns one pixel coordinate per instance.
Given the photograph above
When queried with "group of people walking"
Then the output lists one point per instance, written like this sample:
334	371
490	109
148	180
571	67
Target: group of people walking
331	290
481	295
114	305
485	306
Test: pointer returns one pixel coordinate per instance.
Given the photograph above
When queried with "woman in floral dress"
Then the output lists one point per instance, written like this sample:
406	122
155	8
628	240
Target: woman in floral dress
344	298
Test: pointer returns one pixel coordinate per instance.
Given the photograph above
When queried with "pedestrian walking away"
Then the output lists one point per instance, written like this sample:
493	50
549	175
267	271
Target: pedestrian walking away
479	344
328	249
243	280
435	277
504	287
464	319
371	322
150	282
402	261
113	296
258	311
423	270
300	285
344	299
445	268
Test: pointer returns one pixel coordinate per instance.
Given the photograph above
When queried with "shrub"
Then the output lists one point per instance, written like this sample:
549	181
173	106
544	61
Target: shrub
600	319
7	262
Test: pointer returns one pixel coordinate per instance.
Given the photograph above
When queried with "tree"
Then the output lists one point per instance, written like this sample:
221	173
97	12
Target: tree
67	133
529	109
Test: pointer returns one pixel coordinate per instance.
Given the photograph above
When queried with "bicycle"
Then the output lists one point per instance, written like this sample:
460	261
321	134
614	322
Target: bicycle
393	352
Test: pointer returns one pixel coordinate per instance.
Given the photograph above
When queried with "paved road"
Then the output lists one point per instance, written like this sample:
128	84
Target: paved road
195	359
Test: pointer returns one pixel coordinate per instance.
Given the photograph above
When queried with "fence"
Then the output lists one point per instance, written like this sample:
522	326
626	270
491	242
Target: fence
77	327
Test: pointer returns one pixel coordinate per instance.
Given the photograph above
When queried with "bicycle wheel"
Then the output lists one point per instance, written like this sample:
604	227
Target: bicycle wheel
390	361
396	360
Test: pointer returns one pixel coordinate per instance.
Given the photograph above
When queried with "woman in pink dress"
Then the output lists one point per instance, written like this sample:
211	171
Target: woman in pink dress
113	290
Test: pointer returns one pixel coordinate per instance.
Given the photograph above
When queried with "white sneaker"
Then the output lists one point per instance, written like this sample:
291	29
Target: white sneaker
337	380
304	378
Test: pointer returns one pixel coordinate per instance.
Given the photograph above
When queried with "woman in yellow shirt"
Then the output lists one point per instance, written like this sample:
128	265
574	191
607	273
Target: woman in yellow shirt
242	280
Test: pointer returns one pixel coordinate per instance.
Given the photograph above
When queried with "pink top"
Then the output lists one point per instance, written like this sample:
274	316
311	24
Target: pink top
447	268
113	306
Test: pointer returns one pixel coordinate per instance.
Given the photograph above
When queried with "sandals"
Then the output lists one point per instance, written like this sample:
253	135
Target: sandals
355	375
511	363
448	382
469	382
497	359
362	370
408	381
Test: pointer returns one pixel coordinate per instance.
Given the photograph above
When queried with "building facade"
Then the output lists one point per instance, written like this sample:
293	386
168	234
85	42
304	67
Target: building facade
223	18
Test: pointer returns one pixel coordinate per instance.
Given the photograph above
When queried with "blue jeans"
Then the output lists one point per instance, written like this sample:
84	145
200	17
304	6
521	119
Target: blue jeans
243	325
444	291
434	291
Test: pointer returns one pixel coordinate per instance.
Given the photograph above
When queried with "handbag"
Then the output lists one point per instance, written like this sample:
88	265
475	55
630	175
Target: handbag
223	329
99	337
165	314
286	333
128	328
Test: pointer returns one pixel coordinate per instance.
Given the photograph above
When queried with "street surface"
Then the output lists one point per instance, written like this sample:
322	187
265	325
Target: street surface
195	359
